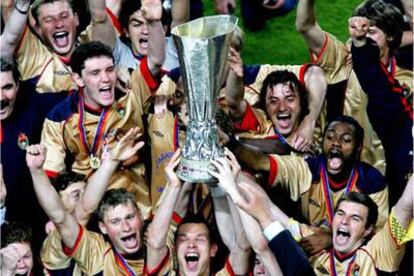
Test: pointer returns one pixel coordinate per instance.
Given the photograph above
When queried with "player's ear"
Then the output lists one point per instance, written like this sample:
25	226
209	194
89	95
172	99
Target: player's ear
102	227
78	80
213	250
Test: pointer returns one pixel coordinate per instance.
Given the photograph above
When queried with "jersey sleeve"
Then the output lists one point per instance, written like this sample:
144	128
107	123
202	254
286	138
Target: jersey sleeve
332	59
52	138
291	172
384	249
88	252
52	255
143	85
381	199
31	55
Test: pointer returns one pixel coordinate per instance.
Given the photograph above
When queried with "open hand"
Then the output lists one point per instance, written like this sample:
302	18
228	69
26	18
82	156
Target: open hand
127	146
172	177
151	10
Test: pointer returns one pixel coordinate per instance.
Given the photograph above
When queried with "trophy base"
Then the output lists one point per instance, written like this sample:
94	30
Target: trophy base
195	171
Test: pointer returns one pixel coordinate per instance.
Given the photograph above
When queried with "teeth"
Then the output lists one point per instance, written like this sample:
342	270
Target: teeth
59	34
283	116
192	255
343	232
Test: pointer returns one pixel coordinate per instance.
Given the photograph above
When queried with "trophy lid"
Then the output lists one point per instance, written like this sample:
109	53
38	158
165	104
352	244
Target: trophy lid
206	27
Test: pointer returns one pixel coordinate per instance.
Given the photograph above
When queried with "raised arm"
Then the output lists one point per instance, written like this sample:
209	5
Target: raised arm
49	198
315	84
14	28
408	8
242	220
102	28
180	12
307	25
235	86
255	236
403	210
124	149
227	218
152	12
158	229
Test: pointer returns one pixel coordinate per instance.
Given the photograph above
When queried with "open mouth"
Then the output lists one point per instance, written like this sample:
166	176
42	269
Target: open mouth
143	42
342	236
283	120
130	241
191	260
61	39
335	159
4	104
106	92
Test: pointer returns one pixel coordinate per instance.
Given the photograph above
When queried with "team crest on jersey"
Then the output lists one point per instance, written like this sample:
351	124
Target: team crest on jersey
120	108
22	141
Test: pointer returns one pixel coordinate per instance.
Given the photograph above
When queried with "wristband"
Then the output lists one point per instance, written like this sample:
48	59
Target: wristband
272	230
19	10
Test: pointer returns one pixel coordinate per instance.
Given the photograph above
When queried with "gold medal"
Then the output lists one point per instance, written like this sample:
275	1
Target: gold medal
94	162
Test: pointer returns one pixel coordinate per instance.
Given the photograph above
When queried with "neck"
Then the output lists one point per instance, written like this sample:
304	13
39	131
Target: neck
89	104
346	255
343	175
385	56
134	256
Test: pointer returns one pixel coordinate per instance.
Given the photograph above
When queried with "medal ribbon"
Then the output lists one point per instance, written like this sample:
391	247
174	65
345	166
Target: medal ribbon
332	264
123	264
280	137
350	186
99	130
176	133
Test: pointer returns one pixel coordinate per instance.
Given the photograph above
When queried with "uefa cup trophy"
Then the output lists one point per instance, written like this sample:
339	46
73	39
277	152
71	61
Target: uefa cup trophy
202	46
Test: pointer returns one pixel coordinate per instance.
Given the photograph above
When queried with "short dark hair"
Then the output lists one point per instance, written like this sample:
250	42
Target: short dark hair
365	200
9	64
15	232
86	51
289	78
131	6
113	198
38	3
386	17
64	180
128	8
359	131
198	219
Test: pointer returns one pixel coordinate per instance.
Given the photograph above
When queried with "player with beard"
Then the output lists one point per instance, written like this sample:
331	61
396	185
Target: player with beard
16	252
320	181
334	57
357	248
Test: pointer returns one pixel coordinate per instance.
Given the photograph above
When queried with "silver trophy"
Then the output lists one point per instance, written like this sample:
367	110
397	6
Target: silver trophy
202	46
